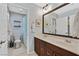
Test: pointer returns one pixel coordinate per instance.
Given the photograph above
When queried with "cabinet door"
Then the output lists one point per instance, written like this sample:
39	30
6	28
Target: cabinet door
37	47
42	48
57	54
62	52
49	50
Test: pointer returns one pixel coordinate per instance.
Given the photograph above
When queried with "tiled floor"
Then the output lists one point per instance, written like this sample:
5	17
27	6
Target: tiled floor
20	52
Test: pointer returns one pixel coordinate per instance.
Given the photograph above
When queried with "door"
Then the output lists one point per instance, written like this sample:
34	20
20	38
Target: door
25	30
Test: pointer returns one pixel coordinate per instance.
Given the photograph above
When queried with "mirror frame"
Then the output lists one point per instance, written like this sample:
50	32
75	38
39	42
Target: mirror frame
64	4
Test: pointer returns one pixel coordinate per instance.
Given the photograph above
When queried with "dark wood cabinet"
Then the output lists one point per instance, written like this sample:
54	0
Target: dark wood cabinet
43	48
40	47
37	47
62	52
49	50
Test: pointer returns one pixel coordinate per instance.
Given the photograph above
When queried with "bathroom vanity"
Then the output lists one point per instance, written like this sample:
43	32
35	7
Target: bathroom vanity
50	47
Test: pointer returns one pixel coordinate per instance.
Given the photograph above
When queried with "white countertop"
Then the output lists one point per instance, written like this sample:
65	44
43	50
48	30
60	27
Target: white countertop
73	46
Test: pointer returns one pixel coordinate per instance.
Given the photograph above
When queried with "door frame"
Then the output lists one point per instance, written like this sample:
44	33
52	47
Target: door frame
28	26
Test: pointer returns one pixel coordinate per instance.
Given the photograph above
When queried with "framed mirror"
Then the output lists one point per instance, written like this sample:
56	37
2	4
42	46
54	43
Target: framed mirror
54	24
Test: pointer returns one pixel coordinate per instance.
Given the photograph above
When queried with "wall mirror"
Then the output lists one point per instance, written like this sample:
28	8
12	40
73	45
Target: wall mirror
61	24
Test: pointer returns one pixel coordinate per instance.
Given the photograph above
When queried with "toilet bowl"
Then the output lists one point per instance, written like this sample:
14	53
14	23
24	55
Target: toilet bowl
17	43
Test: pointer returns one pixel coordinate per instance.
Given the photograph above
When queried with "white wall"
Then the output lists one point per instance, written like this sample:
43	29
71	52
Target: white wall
3	21
3	27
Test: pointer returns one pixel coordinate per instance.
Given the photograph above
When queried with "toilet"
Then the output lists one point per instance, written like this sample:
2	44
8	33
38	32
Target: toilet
17	42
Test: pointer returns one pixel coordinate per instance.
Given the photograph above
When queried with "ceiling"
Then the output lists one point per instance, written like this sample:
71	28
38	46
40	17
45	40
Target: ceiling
74	7
71	7
43	4
40	4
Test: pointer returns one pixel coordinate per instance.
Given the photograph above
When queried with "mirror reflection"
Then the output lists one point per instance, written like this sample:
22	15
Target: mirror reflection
62	22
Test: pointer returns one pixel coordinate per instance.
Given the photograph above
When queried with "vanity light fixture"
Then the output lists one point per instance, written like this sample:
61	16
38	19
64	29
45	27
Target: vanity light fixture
45	7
